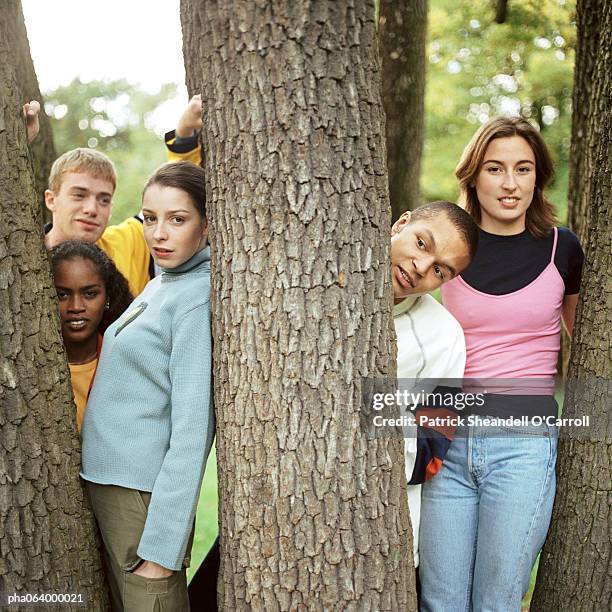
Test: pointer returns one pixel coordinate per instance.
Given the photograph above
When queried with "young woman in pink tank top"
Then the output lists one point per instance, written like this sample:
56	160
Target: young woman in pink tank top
486	514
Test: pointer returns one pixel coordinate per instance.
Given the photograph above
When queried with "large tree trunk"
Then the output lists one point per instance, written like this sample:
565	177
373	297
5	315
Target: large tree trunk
576	565
588	21
43	149
47	534
313	513
402	34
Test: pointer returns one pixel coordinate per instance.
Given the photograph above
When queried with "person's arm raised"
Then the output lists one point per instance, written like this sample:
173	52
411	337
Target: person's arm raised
190	121
182	143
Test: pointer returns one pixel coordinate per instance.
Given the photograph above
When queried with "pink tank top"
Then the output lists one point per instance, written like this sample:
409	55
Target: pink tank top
516	335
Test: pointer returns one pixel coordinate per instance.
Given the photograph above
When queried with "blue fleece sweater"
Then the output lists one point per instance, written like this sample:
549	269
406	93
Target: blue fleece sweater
149	421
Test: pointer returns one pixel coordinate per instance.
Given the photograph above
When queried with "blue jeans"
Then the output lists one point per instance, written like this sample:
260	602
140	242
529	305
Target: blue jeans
484	518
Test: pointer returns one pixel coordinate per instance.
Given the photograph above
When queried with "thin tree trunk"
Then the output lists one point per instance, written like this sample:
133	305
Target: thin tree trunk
313	514
47	534
501	11
43	149
402	35
575	571
589	30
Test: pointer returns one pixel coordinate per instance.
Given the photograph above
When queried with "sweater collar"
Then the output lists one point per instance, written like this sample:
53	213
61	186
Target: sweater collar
405	305
201	257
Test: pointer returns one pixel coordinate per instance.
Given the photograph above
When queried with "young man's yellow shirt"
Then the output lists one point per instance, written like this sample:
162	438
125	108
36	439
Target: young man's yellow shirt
125	245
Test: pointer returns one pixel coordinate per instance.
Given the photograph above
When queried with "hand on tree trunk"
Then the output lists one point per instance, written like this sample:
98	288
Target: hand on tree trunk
30	112
191	119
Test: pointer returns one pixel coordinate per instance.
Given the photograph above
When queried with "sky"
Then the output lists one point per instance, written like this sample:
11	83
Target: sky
137	40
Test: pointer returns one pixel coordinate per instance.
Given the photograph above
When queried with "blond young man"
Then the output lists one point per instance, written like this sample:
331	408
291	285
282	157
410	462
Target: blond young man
81	187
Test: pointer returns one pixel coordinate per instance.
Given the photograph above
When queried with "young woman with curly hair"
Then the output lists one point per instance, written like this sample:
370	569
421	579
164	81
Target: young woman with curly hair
92	295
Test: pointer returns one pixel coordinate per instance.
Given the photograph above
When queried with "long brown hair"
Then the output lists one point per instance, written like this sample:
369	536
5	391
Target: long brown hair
540	217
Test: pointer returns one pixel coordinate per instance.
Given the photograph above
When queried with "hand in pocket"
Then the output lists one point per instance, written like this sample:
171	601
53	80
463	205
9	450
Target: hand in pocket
150	569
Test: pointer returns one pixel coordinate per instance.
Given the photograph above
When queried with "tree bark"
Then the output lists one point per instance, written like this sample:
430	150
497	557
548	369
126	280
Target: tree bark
47	534
313	514
588	15
576	564
402	34
501	11
43	149
589	31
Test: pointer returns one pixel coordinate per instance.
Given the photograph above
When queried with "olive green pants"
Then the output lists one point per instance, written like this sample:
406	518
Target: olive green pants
121	515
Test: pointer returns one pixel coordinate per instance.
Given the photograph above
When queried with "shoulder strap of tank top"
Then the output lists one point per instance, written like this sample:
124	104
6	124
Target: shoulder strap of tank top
554	249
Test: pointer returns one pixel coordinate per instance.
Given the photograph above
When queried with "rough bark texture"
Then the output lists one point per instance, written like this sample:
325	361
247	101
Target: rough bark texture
501	11
47	535
589	31
588	23
43	149
402	34
575	571
313	514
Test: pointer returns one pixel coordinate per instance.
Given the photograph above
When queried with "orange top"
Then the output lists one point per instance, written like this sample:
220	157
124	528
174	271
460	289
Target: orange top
81	376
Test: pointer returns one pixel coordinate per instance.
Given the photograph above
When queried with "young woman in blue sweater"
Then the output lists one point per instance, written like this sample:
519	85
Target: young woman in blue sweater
149	422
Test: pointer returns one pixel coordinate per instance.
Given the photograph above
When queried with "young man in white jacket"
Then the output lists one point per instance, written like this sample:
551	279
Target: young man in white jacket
429	246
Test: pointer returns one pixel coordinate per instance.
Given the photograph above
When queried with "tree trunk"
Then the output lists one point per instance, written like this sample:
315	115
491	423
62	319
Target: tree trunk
588	16
402	34
43	149
501	11
47	534
589	30
576	563
313	513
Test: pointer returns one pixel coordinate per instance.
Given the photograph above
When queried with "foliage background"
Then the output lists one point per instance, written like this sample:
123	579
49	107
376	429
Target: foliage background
115	118
478	69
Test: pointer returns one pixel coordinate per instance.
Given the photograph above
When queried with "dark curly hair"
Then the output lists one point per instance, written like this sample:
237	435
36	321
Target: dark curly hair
117	291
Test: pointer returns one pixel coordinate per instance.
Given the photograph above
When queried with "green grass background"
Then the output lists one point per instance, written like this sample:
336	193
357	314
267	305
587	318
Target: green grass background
206	518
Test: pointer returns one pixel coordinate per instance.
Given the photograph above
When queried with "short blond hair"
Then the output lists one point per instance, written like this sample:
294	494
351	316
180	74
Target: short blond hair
83	160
